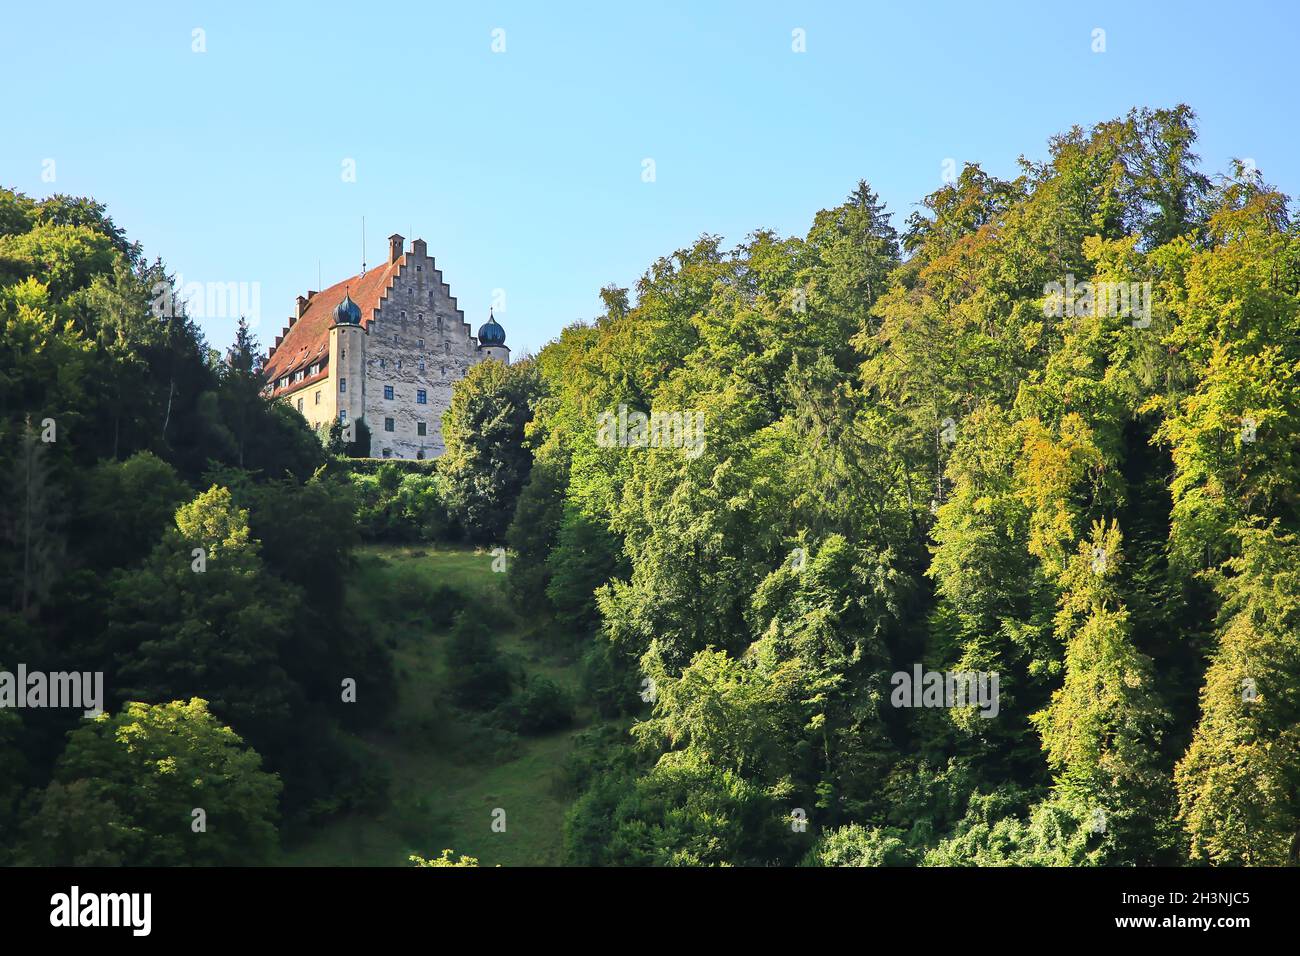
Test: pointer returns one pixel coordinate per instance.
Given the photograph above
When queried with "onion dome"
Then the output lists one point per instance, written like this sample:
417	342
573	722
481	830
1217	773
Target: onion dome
491	333
347	312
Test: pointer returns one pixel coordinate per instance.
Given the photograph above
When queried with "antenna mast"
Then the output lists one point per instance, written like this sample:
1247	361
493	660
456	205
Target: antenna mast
363	245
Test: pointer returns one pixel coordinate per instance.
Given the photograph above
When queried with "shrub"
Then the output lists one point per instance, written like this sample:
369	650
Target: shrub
856	845
541	707
479	678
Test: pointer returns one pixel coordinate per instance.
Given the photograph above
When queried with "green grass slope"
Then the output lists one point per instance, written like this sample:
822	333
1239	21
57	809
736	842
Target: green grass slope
450	770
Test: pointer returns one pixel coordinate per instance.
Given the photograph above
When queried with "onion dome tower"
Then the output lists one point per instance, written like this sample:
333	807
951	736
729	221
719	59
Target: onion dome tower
492	340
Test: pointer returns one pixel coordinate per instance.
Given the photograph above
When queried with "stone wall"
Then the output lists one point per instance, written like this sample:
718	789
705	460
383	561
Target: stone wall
418	306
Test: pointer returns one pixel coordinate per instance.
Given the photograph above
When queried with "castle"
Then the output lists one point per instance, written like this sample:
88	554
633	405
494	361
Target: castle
383	347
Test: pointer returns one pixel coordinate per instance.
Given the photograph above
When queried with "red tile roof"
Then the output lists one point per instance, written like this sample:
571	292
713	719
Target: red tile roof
306	342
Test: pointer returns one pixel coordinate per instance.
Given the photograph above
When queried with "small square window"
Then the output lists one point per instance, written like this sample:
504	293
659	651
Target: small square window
419	428
421	397
389	425
388	392
421	341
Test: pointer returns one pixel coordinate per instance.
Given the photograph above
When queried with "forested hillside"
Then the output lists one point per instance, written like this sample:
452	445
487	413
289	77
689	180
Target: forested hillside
1044	430
916	453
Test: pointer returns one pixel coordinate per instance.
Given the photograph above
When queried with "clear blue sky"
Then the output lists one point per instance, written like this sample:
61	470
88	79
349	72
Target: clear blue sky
523	169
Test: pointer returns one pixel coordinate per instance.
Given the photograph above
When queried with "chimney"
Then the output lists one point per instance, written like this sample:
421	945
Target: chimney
395	247
302	305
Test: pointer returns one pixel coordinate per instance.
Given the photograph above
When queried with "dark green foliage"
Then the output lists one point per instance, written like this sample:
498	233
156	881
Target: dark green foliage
479	677
541	707
487	462
396	503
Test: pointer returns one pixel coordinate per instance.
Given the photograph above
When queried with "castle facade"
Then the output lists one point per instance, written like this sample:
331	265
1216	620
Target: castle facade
383	347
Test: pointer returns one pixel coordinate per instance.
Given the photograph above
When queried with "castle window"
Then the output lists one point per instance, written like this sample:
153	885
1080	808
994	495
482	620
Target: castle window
403	315
421	397
318	396
420	316
446	347
343	416
420	454
388	453
394	338
343	385
421	341
388	392
381	363
419	428
300	404
421	365
389	425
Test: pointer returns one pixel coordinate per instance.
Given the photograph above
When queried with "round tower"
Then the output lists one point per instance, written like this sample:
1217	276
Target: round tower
492	340
348	361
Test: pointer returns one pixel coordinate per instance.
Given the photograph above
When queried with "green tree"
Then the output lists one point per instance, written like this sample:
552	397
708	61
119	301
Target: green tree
1239	782
487	463
127	788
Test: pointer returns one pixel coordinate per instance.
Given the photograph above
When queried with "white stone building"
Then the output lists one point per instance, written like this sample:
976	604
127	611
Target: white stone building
385	347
